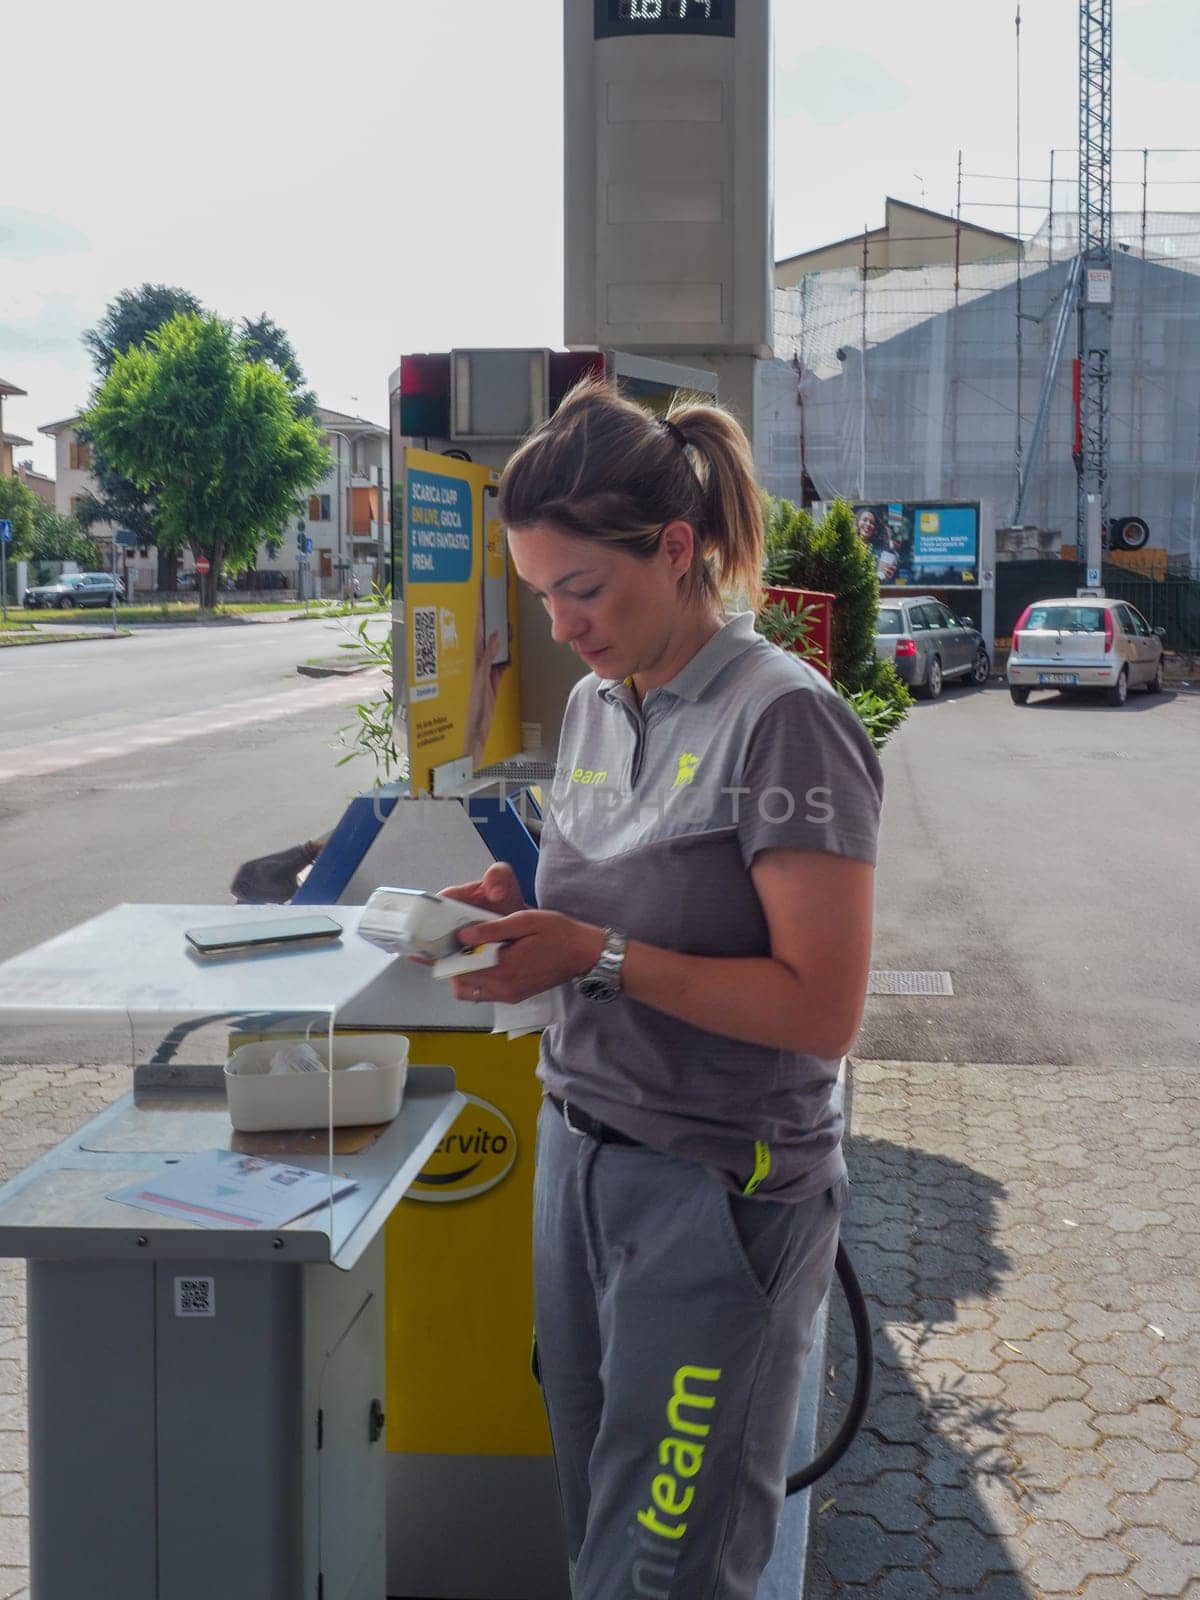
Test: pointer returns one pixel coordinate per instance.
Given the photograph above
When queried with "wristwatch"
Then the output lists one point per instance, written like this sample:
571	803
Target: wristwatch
602	982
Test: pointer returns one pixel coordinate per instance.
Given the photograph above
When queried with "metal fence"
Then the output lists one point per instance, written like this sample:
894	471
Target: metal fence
1171	603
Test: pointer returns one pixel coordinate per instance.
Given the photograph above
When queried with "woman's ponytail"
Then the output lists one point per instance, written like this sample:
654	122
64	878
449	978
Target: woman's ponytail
732	517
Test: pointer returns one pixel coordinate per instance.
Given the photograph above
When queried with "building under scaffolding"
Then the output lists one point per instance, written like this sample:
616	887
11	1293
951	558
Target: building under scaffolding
956	381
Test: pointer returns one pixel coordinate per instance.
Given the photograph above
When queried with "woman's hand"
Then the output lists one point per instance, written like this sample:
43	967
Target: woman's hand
498	891
541	949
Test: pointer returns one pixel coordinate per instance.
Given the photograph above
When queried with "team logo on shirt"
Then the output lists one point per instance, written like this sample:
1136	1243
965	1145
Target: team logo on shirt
686	772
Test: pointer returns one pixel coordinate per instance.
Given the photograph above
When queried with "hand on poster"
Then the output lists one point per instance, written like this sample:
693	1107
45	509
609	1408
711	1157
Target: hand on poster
886	530
485	685
872	525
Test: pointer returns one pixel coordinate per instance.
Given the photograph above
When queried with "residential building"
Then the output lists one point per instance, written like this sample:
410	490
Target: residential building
9	441
72	481
349	511
911	236
37	482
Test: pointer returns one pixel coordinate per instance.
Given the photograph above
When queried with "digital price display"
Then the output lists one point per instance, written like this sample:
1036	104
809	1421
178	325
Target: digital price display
616	18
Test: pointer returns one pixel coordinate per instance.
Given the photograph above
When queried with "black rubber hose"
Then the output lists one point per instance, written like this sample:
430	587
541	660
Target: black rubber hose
864	1354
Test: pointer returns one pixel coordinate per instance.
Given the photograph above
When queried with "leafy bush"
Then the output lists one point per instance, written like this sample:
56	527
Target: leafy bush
829	557
789	629
374	734
57	537
881	707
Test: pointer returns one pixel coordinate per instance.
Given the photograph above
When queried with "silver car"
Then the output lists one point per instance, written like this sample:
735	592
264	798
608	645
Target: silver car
74	589
929	644
1084	643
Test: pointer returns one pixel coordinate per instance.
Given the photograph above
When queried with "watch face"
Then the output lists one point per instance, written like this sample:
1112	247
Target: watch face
594	987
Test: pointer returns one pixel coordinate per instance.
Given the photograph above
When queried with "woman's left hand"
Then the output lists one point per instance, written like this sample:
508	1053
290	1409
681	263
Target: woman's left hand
541	950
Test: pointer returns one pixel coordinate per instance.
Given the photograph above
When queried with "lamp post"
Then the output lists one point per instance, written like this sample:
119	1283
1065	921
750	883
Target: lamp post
335	433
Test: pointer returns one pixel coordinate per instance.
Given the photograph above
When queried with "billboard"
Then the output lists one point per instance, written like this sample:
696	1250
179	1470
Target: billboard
926	544
460	615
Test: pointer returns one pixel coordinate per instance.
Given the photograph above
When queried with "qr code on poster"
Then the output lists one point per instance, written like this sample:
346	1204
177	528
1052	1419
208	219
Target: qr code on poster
195	1297
425	643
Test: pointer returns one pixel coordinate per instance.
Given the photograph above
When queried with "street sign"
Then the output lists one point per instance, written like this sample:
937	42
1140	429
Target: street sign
1093	577
126	537
202	564
5	530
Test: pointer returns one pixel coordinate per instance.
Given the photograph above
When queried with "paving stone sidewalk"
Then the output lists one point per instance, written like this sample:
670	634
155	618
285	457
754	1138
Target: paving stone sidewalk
1029	1240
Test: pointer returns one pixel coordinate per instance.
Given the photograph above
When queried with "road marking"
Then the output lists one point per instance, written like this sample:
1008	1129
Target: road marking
61	755
924	983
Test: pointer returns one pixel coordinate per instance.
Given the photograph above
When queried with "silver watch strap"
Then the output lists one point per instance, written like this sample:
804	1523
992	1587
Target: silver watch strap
612	954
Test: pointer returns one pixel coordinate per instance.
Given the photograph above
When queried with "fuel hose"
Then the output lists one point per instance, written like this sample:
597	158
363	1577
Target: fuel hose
860	1319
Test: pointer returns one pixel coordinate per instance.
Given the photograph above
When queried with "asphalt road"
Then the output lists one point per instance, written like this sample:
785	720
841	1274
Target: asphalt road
148	768
1043	855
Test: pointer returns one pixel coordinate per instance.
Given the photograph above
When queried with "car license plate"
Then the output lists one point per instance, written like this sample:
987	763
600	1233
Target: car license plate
1058	677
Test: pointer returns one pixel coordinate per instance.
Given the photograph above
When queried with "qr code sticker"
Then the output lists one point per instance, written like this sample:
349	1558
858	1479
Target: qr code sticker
195	1297
425	643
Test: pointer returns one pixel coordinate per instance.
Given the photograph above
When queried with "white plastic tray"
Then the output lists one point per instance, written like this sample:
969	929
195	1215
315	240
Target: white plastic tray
260	1103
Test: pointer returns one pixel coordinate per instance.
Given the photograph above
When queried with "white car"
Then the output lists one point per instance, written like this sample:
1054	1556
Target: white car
1084	643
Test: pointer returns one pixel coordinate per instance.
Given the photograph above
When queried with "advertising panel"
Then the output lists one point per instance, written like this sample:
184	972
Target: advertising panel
927	544
460	1271
460	614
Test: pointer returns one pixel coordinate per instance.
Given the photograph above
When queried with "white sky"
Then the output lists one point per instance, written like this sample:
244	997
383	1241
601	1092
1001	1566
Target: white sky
385	175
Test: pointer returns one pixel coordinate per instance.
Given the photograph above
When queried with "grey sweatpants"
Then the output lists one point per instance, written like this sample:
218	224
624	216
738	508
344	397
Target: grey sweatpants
673	1322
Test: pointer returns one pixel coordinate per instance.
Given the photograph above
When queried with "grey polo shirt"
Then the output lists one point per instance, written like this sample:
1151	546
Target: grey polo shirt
655	816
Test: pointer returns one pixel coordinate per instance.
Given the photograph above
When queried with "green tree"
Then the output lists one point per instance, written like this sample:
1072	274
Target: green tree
264	340
217	434
132	317
58	537
829	557
17	505
129	320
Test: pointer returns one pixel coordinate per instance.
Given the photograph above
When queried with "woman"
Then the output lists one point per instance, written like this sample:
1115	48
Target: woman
705	899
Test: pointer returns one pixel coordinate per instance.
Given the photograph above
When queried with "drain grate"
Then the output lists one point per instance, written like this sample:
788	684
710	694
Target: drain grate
909	983
520	771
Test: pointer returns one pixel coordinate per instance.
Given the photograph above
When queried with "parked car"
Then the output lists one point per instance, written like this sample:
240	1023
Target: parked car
1084	643
929	644
74	589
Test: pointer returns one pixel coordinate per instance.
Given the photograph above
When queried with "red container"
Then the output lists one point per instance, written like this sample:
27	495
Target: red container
821	632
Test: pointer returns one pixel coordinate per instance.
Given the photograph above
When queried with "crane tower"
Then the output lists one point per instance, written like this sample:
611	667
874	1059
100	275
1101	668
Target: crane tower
1095	249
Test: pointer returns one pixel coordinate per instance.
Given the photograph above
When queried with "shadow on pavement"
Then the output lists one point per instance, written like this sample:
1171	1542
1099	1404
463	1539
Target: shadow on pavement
920	1504
1078	701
